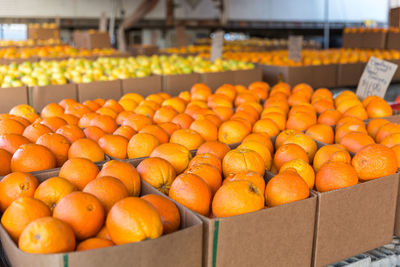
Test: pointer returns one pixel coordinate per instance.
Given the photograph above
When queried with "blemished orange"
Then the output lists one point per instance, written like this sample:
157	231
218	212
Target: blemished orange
124	131
386	130
141	145
132	220
192	192
157	172
210	174
267	126
15	185
52	110
32	157
200	91
57	144
53	189
53	123
237	197
71	132
86	148
322	133
331	153
379	108
329	117
114	145
82	211
79	171
20	213
261	149
261	138
288	152
84	122
285	187
283	136
303	169
214	147
207	129
187	138
391	140
355	141
168	211
125	172
157	131
242	160
108	190
335	175
47	235
169	127
375	161
374	125
178	155
11	142
5	162
304	141
137	122
250	176
36	130
94	243
104	122
94	133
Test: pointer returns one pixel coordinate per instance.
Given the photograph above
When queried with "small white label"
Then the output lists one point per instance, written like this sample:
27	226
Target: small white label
217	45
376	78
295	47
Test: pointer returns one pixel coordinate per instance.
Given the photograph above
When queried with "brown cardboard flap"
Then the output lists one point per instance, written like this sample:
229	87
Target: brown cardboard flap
352	40
324	76
273	74
396	76
104	89
296	75
246	77
374	40
43	95
174	84
216	79
355	219
349	74
12	96
393	41
144	86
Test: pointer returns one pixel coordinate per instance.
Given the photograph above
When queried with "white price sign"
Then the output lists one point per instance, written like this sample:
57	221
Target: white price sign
295	47
217	45
376	78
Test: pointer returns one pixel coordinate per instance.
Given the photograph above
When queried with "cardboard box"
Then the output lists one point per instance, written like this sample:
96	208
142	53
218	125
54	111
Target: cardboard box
393	41
40	96
91	39
352	40
394	17
291	75
146	50
13	96
174	84
355	219
144	86
396	76
349	74
246	77
374	40
43	33
103	89
216	79
323	76
181	248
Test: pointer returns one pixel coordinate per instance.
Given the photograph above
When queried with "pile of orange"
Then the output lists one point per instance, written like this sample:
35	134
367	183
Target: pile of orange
83	208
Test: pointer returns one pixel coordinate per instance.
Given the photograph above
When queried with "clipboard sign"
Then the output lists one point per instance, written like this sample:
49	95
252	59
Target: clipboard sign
376	78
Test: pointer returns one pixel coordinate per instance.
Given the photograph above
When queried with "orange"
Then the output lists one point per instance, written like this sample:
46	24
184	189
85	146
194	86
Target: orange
176	103
5	162
86	148
232	132
93	243
150	104
227	90
192	192
244	97
273	110
132	220
134	96
145	110
347	128
15	185
281	104
24	111
141	145
396	150
322	92
223	113
169	127
357	112
107	112
77	110
300	121
260	92
349	120
250	176
34	131
288	152
329	117
379	108
104	122
178	155
66	102
211	117
114	145
70	119
214	147
304	141
157	172
11	142
32	157
71	132
219	100
164	114
53	189
94	133
187	138
200	91
124	131
283	136
9	126
391	140
242	160
286	187
335	175
267	126
206	128
330	153
47	235
278	118
91	104
183	120
168	211
99	101
52	110
369	99
306	89
297	99
157	131
347	104
322	133
79	171
84	122
82	211
386	130
137	122
237	197
103	233
125	172
108	190
375	161
303	169
261	138
20	213
261	149
57	144
53	123
185	95
113	104
355	141
374	125
210	174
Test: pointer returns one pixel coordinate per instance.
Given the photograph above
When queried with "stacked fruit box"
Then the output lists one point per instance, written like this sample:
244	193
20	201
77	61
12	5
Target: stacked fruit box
250	170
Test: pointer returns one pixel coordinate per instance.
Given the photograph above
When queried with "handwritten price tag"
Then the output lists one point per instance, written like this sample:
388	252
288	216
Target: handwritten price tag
376	78
295	47
217	45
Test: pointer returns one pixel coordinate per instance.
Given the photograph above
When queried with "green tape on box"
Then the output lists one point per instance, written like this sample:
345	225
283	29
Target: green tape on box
215	243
